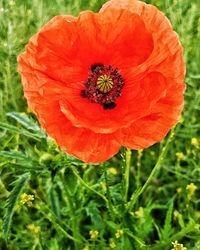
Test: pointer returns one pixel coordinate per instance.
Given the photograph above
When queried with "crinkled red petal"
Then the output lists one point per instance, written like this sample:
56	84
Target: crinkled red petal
138	96
82	143
65	49
166	56
153	128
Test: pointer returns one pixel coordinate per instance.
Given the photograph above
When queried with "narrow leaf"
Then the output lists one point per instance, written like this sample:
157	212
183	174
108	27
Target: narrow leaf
95	215
195	76
19	158
54	201
167	230
14	129
15	155
24	120
19	185
71	181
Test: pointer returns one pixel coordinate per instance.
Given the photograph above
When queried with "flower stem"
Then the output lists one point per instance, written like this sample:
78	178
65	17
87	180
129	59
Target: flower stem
138	174
110	205
140	190
49	215
87	186
75	222
127	174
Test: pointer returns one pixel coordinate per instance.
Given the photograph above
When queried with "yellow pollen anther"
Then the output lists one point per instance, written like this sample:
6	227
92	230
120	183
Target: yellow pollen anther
104	83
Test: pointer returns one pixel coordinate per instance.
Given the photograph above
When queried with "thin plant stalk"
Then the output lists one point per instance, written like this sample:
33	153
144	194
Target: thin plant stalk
139	191
110	205
88	187
138	174
48	214
75	224
127	173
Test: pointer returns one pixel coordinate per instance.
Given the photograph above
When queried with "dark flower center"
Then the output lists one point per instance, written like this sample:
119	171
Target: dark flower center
103	86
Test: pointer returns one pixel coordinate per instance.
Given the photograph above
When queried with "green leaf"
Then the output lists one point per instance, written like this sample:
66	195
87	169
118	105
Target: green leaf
36	135
19	185
112	225
144	227
16	155
95	215
19	158
24	120
140	241
54	201
53	244
71	181
125	243
195	76
167	230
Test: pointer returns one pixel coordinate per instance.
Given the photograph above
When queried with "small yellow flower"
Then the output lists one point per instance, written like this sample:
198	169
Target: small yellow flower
45	157
86	247
103	186
28	110
113	171
152	153
180	156
27	198
112	243
181	120
178	246
191	188
119	233
34	229
195	142
37	206
84	166
179	190
140	212
93	234
176	214
178	217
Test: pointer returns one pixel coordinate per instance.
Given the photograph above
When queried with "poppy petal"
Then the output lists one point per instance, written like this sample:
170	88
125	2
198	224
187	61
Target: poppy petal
87	34
145	91
166	56
67	43
121	38
137	40
154	127
79	142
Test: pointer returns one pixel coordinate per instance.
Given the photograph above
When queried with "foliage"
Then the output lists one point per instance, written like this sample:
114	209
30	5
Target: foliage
79	206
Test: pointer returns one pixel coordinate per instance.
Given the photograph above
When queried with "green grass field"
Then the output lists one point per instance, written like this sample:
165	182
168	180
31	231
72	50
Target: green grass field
50	200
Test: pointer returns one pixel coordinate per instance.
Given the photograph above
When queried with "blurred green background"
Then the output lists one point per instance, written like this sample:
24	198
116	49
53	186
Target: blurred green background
49	200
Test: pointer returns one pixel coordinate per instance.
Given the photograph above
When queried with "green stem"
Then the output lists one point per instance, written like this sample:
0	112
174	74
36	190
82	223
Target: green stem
57	225
75	223
87	186
138	174
127	174
110	205
125	186
139	191
48	214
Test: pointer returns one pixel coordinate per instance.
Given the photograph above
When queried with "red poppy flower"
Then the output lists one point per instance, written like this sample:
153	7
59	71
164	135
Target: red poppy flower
102	80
